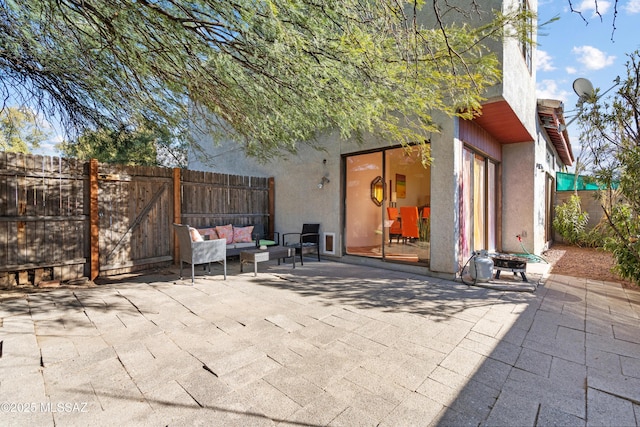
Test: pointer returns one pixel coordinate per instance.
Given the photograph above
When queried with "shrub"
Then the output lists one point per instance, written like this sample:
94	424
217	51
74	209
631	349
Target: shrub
624	243
626	257
570	221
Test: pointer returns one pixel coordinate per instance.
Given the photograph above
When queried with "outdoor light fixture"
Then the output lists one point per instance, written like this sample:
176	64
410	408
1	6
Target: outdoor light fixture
323	181
325	178
584	89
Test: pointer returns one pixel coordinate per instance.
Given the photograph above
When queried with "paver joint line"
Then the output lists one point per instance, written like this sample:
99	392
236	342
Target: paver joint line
326	343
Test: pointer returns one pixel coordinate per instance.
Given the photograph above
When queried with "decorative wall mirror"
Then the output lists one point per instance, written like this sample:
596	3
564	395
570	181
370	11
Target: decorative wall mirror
377	191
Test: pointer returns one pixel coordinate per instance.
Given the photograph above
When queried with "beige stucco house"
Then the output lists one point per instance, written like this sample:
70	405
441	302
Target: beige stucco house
491	180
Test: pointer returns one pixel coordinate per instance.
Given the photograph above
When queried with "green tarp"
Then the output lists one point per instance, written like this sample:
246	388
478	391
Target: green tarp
565	182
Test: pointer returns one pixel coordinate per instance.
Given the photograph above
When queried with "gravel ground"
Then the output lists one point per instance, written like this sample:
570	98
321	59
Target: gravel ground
589	263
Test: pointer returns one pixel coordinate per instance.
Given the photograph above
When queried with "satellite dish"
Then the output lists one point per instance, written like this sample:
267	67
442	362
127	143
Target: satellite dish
583	88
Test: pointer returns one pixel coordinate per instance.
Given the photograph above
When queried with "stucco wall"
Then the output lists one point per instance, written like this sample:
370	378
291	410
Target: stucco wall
547	164
518	164
536	242
517	86
445	196
519	82
526	168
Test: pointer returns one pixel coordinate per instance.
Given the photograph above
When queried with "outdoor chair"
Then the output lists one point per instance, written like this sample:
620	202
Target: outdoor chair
305	242
201	251
395	230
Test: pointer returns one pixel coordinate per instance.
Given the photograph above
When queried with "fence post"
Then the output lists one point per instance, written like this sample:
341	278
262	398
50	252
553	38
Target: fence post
94	219
177	208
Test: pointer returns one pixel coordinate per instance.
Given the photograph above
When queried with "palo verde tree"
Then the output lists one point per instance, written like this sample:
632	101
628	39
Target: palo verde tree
611	140
269	75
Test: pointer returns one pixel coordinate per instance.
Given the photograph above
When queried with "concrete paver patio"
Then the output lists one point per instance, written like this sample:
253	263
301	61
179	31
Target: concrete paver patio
322	344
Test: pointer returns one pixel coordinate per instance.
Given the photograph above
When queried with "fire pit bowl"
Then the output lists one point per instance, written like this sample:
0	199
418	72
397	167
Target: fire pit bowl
515	264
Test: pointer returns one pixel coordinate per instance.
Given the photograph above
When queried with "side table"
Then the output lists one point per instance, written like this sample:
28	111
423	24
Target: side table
261	255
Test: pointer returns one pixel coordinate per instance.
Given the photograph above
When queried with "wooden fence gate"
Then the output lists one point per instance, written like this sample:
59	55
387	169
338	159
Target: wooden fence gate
135	214
62	219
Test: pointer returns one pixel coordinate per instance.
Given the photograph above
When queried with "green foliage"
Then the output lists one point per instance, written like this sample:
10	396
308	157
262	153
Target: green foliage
624	242
611	137
20	131
269	75
424	228
138	144
626	257
595	237
570	221
120	146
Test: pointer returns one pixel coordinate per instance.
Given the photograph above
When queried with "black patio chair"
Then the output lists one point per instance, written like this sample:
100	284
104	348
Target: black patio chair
305	242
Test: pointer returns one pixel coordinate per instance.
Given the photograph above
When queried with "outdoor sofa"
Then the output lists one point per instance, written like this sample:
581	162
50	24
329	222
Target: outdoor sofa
238	237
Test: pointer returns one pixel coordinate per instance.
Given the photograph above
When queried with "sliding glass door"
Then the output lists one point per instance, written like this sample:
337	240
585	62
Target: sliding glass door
387	211
478	225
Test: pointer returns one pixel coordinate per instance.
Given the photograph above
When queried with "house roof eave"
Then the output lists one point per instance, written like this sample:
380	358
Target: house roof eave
551	116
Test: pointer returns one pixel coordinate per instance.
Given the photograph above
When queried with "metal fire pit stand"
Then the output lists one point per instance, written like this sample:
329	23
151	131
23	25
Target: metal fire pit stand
510	263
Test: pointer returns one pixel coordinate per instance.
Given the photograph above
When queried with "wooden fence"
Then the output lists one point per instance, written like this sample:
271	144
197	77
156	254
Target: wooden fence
62	219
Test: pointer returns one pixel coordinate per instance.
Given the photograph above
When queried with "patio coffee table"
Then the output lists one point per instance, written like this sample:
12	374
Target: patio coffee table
260	255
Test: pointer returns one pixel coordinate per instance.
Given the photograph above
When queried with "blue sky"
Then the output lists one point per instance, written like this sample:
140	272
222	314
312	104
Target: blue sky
47	148
570	48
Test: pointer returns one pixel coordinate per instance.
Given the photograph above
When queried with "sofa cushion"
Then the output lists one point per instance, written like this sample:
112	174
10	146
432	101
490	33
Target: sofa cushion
225	232
195	235
243	245
208	233
242	234
265	242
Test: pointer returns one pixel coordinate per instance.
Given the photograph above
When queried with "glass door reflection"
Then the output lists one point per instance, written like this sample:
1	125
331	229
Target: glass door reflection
379	187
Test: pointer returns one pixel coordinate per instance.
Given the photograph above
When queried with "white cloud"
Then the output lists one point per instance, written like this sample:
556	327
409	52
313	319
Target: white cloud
593	58
548	89
544	61
632	6
571	70
48	147
590	5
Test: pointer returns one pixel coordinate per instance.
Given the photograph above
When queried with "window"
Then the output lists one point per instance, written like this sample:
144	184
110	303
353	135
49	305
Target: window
526	37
